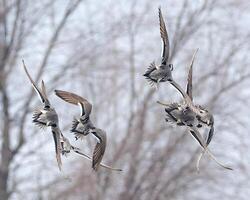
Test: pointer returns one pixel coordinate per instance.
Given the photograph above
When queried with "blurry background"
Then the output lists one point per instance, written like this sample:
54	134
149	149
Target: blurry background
100	49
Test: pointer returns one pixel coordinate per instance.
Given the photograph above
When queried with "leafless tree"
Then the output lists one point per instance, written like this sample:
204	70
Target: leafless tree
100	51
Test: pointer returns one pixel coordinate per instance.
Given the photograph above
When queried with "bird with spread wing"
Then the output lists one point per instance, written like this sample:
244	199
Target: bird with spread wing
83	126
46	116
163	72
192	116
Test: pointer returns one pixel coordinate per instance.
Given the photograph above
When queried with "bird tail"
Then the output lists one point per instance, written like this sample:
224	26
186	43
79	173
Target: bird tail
209	138
206	150
203	145
76	150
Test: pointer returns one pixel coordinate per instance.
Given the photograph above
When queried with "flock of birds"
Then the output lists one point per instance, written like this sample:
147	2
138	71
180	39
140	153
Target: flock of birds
47	117
184	113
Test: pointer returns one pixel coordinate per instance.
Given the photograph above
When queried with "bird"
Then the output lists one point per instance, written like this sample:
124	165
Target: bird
83	126
46	116
201	115
192	116
187	112
163	72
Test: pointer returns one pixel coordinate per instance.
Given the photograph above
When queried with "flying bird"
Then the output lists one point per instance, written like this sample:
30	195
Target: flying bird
46	116
192	116
187	112
83	126
163	72
202	116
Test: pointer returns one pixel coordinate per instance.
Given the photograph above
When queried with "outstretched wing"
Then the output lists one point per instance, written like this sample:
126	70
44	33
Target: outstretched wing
99	149
46	100
187	99
190	77
72	98
42	98
165	40
56	137
211	131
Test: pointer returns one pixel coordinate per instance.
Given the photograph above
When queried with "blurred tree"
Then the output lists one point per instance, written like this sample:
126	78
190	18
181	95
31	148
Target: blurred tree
100	50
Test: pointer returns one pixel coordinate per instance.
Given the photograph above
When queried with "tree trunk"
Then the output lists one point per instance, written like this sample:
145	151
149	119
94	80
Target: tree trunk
6	154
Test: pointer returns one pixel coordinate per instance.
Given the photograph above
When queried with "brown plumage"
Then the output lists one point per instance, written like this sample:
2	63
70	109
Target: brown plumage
165	40
41	94
81	126
58	147
99	148
190	78
72	98
46	116
156	74
192	116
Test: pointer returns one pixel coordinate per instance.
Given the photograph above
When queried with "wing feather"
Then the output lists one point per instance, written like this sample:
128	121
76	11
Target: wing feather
56	137
99	150
165	40
33	84
75	99
190	77
44	93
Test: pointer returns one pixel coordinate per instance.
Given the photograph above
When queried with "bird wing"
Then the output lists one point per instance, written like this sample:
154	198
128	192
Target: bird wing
165	40
42	98
56	137
210	135
196	134
190	77
99	149
72	98
44	93
186	98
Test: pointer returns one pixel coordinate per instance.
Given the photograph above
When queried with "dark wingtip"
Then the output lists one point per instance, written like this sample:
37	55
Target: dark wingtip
94	167
75	122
